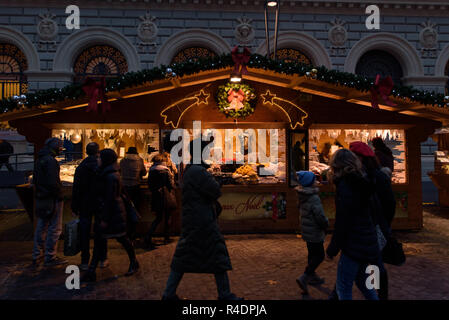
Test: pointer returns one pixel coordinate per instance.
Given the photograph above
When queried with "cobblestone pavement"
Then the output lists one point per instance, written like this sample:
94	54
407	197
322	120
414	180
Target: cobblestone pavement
265	267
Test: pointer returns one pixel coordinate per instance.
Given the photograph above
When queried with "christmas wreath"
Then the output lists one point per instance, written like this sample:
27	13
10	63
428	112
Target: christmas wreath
236	100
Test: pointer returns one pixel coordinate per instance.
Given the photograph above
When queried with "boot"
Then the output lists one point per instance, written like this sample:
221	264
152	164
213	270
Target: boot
314	280
302	283
133	268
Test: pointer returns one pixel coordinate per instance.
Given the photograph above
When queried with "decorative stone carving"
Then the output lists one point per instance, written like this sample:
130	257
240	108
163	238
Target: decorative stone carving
147	32
428	38
338	34
244	32
147	29
47	30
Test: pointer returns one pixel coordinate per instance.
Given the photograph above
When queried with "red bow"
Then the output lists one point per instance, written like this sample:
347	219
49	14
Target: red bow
240	59
383	88
96	91
239	95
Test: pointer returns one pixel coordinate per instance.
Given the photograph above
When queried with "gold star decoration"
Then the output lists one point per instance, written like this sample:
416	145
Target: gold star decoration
268	97
202	97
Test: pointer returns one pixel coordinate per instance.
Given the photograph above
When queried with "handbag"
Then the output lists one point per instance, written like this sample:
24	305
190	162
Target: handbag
72	238
169	199
132	215
393	253
381	241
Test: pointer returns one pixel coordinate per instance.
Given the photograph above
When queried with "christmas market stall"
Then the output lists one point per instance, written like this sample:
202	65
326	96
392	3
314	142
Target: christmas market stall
280	118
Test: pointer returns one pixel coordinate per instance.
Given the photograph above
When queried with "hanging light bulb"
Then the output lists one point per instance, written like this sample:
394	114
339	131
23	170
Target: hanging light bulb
272	3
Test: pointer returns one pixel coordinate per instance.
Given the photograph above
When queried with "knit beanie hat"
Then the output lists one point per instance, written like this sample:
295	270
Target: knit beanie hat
305	178
361	149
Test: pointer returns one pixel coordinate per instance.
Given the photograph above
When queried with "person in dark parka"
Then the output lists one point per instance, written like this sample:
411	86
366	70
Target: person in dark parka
84	201
201	247
49	204
354	231
313	227
110	220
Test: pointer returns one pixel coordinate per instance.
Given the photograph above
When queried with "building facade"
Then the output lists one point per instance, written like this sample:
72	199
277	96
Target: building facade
38	51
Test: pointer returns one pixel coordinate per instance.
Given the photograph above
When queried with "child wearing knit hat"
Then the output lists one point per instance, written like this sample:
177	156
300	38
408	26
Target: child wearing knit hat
313	226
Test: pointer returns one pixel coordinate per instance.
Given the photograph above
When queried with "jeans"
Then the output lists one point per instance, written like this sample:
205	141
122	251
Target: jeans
100	244
315	256
85	228
221	279
48	230
349	271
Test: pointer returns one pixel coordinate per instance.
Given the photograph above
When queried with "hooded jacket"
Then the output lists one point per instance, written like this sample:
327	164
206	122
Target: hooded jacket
132	169
201	247
313	220
354	233
110	208
46	175
83	191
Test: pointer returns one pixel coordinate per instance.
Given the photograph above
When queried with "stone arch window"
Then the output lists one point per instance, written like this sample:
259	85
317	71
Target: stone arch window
13	63
99	61
292	55
376	62
192	53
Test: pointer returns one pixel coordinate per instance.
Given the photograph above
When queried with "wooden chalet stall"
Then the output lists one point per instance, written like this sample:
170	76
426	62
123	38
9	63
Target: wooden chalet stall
310	119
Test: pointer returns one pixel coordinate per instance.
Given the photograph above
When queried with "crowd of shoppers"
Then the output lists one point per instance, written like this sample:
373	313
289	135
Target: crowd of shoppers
104	189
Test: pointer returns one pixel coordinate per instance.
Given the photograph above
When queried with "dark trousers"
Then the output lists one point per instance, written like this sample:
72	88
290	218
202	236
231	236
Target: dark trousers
315	256
85	228
221	279
100	247
135	195
159	217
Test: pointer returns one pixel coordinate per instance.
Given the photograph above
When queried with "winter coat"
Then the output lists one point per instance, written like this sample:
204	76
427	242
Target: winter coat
5	148
159	176
354	232
386	197
132	169
83	191
313	220
110	208
201	247
385	159
46	176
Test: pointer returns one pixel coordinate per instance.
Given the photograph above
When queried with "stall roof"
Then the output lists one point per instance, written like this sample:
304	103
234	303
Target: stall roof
305	84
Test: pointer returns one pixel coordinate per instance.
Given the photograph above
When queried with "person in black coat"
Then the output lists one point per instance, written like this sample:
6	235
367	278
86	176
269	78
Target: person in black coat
159	176
383	153
49	204
6	150
110	220
386	206
84	202
354	231
201	247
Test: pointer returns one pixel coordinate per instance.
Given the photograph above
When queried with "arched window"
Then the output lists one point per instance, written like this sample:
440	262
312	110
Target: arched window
13	63
192	53
380	62
292	55
99	61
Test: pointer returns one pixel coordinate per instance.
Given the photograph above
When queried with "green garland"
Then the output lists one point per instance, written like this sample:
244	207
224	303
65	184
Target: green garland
130	79
248	103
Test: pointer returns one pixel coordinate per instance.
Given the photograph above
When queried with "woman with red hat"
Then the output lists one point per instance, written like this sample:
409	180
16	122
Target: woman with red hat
385	201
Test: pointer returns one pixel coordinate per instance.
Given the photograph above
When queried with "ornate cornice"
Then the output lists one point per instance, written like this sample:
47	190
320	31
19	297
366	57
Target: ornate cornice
400	8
